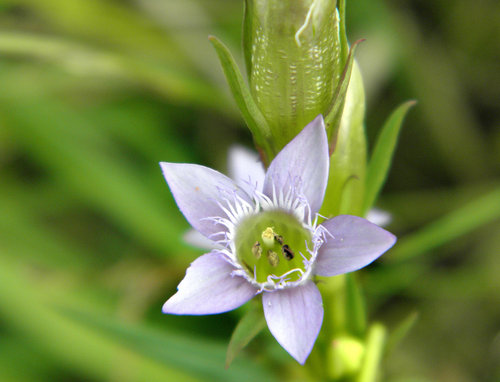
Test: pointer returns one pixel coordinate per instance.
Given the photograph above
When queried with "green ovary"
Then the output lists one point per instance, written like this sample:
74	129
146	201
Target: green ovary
272	243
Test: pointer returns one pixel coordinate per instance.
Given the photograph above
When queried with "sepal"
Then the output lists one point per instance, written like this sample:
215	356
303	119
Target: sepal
250	111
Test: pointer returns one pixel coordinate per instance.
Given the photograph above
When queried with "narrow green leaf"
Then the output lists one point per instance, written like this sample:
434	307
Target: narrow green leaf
400	332
75	347
249	326
460	221
381	158
249	109
169	80
335	111
373	354
196	357
86	149
355	307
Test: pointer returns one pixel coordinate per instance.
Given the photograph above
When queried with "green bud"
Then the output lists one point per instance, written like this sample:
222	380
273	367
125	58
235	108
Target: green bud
294	57
345	355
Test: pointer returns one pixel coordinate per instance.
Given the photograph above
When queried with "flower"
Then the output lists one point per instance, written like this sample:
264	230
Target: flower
267	239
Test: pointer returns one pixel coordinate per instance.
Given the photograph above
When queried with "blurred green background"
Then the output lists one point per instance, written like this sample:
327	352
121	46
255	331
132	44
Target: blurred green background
94	93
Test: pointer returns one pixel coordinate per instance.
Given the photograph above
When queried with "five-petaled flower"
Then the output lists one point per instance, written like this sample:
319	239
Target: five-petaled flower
267	240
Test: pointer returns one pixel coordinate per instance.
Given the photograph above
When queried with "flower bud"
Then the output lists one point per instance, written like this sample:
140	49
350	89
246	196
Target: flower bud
345	355
293	54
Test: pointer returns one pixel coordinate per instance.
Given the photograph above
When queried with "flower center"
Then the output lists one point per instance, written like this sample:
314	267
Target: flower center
273	243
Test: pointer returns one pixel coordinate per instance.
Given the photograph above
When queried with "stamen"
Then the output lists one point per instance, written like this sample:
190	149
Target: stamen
273	258
257	250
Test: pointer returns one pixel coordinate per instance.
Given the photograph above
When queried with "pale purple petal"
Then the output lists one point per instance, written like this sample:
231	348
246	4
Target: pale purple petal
294	317
197	191
379	217
246	169
302	164
196	239
353	243
209	288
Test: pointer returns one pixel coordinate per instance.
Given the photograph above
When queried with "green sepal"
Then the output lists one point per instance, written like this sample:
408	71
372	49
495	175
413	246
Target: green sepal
400	332
239	89
355	307
344	45
246	330
380	162
248	30
334	114
346	181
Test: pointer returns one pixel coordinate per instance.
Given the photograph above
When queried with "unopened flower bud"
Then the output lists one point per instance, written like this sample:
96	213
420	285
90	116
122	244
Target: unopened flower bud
293	57
345	356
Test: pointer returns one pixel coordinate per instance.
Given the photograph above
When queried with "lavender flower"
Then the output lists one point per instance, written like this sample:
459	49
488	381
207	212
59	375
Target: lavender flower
267	239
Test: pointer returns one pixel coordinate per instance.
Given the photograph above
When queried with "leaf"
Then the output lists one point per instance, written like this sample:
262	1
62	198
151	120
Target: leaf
451	226
249	109
196	357
461	221
72	345
355	307
86	149
249	326
335	111
381	158
84	60
375	342
400	332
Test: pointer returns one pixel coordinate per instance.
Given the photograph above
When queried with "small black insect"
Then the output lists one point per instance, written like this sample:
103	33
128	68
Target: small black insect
279	239
287	252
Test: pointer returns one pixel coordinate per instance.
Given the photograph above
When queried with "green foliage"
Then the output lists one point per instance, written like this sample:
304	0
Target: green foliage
397	335
248	327
355	307
380	161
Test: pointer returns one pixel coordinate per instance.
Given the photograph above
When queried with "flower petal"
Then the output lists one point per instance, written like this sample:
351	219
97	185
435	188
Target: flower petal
246	169
303	164
209	288
353	244
379	217
294	317
196	239
197	191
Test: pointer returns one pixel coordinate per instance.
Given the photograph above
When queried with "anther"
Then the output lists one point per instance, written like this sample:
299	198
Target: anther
273	258
257	250
287	252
